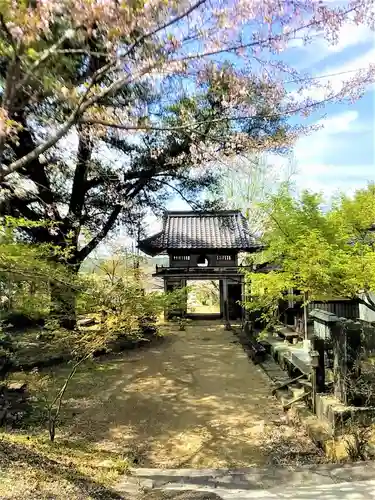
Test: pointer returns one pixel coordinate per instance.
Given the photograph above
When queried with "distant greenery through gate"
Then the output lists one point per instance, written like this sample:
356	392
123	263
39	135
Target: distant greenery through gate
203	297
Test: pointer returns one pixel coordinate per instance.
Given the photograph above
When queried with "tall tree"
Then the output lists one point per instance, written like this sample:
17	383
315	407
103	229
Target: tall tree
159	88
245	182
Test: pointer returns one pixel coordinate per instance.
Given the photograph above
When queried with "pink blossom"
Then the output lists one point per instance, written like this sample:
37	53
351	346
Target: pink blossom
153	40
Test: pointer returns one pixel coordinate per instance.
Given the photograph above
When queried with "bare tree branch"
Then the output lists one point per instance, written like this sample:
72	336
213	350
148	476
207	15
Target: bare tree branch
92	244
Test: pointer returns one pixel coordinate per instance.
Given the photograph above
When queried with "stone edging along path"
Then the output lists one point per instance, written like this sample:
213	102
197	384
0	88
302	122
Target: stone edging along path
245	479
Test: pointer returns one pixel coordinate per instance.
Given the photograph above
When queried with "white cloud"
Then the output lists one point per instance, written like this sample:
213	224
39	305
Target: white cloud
315	173
331	179
351	34
319	48
339	123
341	74
309	149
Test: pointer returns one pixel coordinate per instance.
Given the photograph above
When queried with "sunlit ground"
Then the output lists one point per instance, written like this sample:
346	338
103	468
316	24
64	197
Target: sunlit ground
203	297
194	400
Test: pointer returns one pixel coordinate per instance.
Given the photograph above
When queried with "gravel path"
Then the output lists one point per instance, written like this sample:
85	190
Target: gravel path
197	401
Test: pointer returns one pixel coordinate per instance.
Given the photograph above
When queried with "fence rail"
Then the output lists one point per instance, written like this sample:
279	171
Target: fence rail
342	308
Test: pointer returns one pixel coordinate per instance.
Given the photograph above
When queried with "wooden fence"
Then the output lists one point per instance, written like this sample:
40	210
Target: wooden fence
341	308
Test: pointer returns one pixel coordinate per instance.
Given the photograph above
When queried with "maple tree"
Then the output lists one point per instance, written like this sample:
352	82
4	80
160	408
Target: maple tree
324	254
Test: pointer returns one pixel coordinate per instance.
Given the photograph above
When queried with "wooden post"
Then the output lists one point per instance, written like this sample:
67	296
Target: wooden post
225	300
243	298
305	315
317	345
222	305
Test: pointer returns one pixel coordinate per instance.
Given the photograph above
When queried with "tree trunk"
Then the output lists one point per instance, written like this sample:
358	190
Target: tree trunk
63	305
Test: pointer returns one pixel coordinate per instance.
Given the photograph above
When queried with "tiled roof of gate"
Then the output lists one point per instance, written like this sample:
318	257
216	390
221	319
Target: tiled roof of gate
201	230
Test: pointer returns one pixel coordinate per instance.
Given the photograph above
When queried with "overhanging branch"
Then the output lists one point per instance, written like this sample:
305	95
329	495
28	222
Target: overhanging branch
85	251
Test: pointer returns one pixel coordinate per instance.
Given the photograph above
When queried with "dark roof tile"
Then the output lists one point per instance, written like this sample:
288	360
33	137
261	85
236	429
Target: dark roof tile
201	230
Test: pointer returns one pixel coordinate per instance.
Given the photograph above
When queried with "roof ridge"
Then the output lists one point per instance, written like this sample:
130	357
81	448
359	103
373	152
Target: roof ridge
208	213
189	230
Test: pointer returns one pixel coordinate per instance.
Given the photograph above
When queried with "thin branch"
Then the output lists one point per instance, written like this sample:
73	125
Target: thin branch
59	397
119	83
8	34
43	57
261	43
85	52
85	251
371	303
367	304
106	123
84	104
193	205
190	126
160	28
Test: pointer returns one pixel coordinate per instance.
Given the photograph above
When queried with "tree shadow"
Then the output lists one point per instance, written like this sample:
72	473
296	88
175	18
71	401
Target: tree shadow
16	455
195	400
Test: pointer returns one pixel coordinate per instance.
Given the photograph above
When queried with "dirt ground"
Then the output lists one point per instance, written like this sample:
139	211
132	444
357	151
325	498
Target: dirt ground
195	400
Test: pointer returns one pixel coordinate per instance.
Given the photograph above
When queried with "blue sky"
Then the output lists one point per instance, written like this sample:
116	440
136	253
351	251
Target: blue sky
341	154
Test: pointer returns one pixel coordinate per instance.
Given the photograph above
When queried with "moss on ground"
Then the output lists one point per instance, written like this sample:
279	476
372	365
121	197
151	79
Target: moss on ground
194	400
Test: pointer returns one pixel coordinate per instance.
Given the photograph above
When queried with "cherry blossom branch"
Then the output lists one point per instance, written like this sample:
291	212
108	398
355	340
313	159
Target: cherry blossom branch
83	104
69	33
93	13
192	125
174	20
261	42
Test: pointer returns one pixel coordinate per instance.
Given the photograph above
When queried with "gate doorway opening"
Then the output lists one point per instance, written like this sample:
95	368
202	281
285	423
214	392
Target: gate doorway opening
203	298
234	301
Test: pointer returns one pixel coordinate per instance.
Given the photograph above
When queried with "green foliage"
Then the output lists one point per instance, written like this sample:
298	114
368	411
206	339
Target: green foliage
324	254
26	271
207	292
114	294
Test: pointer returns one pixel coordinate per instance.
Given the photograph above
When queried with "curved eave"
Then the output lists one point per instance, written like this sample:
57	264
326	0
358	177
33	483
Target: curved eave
153	245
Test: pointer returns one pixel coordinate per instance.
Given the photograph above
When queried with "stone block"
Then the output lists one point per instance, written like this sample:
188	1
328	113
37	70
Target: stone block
338	416
323	316
87	322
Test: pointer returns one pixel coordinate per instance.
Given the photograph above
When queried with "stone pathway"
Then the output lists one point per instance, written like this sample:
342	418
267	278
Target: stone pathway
323	482
192	400
221	435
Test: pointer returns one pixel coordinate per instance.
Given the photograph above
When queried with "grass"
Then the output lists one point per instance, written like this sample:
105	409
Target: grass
73	466
29	348
32	467
32	346
193	400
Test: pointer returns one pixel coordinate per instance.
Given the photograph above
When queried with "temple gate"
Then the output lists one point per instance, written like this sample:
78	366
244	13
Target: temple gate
204	246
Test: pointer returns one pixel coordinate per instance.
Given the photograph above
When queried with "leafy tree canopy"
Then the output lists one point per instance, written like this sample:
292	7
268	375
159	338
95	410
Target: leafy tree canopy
323	253
166	85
